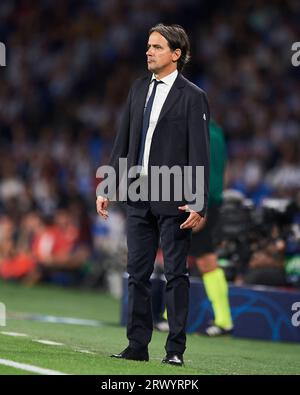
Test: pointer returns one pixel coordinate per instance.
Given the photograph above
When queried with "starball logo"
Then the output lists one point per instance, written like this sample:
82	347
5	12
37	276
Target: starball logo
296	56
2	54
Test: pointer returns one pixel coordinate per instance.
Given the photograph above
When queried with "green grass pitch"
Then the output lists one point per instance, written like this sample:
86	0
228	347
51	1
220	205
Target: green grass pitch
204	356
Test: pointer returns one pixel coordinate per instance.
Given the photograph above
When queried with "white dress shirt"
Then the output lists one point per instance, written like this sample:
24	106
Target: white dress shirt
161	94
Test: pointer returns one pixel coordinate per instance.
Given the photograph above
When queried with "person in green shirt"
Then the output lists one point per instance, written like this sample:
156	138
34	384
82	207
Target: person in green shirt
202	246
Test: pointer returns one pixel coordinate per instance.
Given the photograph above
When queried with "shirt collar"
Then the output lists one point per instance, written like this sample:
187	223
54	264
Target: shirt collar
168	79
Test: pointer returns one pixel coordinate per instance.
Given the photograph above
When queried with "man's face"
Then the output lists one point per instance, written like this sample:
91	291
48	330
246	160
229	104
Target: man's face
159	55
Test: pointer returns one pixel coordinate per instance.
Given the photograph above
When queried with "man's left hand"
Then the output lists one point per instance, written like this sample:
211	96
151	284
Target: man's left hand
194	220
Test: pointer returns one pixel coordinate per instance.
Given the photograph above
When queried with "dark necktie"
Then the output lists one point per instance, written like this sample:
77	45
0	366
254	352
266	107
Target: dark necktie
146	120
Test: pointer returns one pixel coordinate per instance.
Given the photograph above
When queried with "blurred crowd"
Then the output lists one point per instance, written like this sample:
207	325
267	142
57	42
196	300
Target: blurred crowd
69	67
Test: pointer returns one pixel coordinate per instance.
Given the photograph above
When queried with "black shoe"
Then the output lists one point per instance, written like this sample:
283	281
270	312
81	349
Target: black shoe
173	359
132	354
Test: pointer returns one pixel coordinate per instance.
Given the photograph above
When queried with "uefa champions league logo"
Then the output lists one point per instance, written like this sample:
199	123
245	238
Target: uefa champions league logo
2	54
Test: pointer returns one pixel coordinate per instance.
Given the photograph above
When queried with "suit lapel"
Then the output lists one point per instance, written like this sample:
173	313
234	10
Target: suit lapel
142	94
140	104
172	97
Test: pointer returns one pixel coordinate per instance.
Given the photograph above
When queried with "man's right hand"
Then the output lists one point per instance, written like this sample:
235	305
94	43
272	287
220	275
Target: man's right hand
102	204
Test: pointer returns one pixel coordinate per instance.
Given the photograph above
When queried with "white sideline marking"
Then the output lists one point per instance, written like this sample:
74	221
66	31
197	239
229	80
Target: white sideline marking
55	320
85	351
65	320
17	334
31	368
48	342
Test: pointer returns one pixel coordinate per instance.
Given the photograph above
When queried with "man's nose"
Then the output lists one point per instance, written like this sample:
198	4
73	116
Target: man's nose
149	52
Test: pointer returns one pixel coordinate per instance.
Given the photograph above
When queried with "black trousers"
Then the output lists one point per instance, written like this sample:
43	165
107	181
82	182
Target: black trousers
145	230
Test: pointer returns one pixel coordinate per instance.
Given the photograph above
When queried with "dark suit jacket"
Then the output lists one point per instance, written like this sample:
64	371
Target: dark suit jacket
181	136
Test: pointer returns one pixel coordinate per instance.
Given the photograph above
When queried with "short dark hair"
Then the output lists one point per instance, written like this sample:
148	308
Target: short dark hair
177	38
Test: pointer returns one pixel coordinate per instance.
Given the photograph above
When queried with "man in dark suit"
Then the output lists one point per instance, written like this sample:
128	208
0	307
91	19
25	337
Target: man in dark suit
165	123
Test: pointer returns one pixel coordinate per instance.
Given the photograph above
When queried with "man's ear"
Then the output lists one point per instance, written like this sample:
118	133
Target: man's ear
176	54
